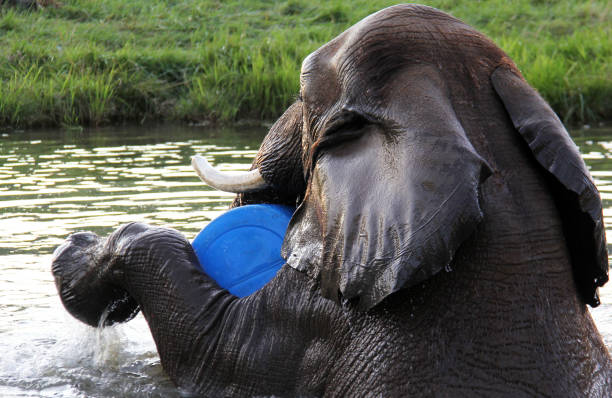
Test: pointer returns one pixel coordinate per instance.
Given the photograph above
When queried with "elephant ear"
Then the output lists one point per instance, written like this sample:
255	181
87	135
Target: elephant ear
389	208
575	193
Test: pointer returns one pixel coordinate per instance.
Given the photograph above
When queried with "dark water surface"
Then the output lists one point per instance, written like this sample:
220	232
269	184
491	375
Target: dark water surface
54	183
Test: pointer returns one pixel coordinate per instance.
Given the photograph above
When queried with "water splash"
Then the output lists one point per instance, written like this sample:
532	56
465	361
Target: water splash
71	359
108	348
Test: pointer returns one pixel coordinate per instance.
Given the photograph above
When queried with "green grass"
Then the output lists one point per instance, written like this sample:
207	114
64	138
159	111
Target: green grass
96	62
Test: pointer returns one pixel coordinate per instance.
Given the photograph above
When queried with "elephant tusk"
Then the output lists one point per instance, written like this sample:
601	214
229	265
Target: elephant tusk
237	183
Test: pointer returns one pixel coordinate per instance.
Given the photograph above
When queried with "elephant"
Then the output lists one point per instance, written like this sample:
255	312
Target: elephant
447	238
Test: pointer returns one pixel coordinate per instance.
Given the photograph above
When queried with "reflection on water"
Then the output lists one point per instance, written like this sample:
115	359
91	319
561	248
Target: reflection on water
54	183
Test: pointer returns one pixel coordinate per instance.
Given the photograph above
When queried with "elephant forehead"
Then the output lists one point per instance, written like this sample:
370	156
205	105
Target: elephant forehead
350	44
390	28
369	53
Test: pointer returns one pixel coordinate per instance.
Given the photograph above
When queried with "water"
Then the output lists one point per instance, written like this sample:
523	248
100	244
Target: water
54	183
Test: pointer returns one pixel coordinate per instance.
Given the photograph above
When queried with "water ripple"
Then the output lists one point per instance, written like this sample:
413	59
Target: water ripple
54	183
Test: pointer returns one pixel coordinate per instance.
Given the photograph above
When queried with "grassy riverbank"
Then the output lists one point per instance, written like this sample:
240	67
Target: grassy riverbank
93	62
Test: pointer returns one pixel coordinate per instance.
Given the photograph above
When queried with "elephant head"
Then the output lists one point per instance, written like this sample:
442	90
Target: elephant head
415	147
384	153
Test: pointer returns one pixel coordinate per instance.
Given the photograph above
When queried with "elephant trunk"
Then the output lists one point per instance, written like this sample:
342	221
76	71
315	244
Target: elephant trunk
156	271
80	281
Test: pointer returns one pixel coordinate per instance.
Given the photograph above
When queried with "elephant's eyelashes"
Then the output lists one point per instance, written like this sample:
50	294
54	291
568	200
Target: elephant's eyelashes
345	127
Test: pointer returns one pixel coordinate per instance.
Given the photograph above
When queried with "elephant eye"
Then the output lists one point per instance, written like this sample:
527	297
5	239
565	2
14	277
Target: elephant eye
345	127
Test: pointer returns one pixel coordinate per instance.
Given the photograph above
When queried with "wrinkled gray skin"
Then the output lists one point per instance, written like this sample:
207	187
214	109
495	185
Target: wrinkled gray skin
447	240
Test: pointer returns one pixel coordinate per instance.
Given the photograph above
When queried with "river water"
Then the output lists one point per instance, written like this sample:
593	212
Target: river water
54	183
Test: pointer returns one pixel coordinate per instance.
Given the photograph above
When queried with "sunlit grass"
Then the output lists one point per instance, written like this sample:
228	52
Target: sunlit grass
97	62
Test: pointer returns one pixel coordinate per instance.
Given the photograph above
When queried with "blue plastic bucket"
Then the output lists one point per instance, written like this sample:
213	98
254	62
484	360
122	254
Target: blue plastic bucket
240	249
